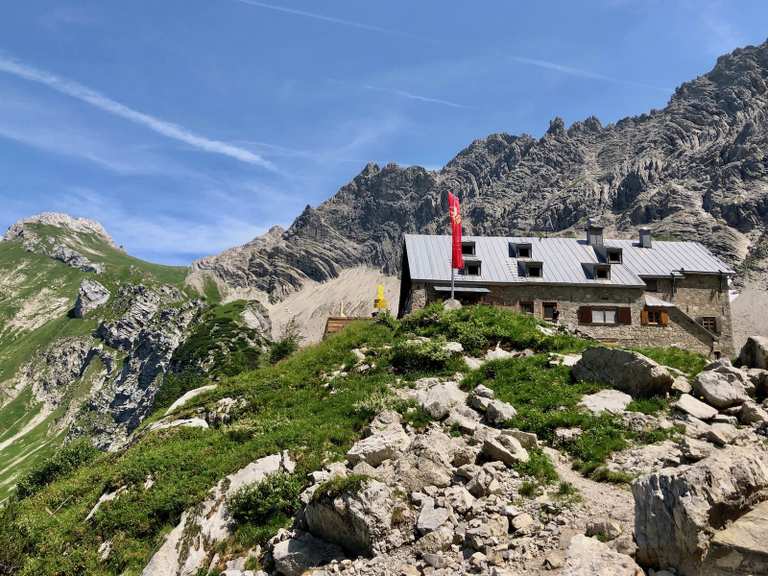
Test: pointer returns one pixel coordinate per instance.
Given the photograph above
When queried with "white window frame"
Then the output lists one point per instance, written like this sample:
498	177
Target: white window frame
605	316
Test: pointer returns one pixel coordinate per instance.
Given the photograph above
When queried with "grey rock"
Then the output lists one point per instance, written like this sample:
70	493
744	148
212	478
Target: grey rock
388	438
695	408
676	510
431	518
91	296
753	413
293	557
630	372
439	398
498	412
721	389
358	522
682	385
607	400
506	449
590	557
740	548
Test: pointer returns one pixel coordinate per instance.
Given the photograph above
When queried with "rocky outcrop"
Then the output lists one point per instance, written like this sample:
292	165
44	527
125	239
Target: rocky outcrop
677	511
630	372
148	332
191	544
63	247
612	401
741	548
91	296
694	170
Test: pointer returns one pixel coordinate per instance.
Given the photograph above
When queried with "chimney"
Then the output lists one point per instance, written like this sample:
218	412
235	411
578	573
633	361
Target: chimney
594	234
645	238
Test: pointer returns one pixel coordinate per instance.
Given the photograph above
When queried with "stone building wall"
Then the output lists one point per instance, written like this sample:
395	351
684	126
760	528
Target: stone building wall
695	295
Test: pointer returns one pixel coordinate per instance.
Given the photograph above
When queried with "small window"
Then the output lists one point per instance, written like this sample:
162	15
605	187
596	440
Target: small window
550	311
534	270
614	256
468	248
526	307
602	273
710	323
651	284
523	251
654	316
471	269
603	316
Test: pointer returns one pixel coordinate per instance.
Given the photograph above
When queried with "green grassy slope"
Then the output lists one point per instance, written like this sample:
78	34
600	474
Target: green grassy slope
36	295
292	406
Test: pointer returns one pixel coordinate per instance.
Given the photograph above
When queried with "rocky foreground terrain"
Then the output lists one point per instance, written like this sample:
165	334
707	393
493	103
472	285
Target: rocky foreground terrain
696	169
454	497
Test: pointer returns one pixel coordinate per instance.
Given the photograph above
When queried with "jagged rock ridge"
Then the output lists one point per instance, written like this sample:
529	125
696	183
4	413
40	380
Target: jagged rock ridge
696	169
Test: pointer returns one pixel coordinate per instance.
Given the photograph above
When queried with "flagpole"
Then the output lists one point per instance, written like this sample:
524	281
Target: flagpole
453	271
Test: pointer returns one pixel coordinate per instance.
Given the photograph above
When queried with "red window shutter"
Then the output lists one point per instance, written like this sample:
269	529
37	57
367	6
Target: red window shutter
644	317
624	315
585	315
664	318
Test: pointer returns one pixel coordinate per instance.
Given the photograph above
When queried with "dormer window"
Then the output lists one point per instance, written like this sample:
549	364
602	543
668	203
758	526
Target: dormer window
519	250
602	272
468	248
533	269
471	268
614	255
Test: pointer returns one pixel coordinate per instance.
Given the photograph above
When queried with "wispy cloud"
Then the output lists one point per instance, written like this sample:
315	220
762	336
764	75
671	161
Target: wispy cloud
106	104
570	70
418	97
329	19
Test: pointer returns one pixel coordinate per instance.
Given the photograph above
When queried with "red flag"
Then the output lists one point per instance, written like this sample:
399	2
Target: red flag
457	259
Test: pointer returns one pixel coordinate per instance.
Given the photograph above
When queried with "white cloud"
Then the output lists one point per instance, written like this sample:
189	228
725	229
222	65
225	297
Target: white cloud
329	19
102	102
411	96
570	70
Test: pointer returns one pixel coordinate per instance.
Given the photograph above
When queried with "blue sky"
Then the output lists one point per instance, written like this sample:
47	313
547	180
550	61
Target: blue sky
189	126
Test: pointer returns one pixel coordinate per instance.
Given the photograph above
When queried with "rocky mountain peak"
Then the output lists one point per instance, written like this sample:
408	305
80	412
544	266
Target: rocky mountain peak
60	220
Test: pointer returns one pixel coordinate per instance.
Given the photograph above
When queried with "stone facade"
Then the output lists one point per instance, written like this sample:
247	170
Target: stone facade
696	296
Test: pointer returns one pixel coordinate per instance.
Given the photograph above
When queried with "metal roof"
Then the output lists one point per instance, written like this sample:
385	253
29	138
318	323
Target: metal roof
565	260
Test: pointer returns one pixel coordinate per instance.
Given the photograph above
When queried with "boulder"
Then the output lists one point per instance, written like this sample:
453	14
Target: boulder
294	556
677	510
505	448
431	518
682	385
754	353
439	398
498	412
90	296
590	557
608	400
742	547
695	408
386	440
630	372
453	347
183	399
721	389
498	353
358	522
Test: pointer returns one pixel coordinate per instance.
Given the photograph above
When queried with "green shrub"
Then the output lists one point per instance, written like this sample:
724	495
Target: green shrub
566	489
330	489
288	343
478	328
61	463
13	540
275	495
528	489
429	356
539	466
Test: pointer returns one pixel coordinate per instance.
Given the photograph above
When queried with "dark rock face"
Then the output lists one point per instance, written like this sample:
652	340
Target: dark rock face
698	169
